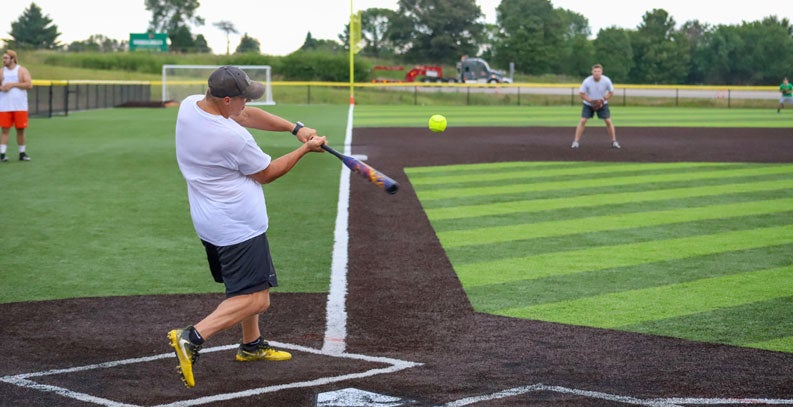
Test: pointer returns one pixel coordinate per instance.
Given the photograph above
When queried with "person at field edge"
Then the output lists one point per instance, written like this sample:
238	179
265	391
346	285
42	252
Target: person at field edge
596	87
225	169
15	81
786	88
460	73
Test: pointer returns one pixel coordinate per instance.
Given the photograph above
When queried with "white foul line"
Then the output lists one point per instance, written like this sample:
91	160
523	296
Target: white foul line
64	392
336	310
556	389
658	402
720	401
22	380
396	365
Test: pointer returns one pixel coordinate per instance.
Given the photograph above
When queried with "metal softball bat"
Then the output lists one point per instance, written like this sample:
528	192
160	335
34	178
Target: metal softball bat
361	168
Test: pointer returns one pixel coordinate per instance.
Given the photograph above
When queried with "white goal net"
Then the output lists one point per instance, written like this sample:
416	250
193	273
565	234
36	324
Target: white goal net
180	81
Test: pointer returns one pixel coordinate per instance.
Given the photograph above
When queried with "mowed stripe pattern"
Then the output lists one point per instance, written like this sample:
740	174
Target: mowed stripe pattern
702	251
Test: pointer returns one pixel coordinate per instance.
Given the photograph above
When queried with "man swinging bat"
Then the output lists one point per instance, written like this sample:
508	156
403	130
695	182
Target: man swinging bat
224	169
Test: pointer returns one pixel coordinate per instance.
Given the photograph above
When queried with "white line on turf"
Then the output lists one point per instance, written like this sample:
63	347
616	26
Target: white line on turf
269	389
720	401
67	393
22	380
335	310
607	396
517	391
396	365
111	364
657	402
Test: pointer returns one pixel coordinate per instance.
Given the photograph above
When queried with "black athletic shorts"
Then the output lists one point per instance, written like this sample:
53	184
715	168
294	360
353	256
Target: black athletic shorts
587	112
244	268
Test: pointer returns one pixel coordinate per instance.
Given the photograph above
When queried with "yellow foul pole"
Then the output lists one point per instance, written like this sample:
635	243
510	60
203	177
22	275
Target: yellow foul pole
352	55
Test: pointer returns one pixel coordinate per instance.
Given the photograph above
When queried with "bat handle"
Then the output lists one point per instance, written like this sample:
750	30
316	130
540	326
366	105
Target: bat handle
332	151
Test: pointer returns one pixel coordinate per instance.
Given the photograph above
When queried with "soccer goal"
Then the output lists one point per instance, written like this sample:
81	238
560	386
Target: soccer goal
180	81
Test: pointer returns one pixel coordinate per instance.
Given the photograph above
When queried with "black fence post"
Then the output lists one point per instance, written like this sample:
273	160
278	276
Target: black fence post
37	101
49	102
518	95
66	99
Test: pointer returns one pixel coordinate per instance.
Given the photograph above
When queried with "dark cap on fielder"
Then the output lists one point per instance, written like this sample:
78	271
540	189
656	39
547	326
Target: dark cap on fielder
232	82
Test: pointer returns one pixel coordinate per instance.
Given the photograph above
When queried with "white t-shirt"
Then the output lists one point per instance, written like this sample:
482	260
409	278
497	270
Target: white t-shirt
216	155
596	89
15	100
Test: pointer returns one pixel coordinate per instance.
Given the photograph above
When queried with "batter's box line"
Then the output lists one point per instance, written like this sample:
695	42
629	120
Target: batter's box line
24	380
657	402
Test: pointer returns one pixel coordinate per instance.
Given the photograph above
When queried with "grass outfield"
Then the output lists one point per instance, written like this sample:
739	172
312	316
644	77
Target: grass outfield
693	250
101	210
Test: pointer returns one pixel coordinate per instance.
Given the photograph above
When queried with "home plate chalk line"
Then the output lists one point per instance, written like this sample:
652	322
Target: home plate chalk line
655	402
24	380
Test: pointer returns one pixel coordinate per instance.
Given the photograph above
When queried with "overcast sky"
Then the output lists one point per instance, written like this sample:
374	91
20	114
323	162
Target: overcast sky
281	26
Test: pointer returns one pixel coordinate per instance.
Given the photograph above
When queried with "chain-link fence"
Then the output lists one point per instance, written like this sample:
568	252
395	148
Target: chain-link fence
52	98
49	98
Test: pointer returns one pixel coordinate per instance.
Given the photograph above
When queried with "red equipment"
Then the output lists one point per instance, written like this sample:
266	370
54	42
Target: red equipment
427	73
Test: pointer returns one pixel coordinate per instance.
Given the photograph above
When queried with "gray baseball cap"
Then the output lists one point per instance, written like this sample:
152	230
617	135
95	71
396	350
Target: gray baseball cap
232	81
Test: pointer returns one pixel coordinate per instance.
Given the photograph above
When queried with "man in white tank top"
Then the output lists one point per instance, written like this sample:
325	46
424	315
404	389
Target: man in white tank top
15	81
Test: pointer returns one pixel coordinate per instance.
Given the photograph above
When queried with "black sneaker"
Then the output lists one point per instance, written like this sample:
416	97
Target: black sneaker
24	157
3	158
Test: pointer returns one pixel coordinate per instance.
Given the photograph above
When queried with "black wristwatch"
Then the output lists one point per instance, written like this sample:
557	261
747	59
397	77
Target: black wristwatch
297	128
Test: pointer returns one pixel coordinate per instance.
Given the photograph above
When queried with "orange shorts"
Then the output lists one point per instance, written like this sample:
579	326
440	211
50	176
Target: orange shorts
19	119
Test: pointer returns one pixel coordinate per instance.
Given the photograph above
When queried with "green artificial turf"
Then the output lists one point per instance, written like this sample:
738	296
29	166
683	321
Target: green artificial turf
654	248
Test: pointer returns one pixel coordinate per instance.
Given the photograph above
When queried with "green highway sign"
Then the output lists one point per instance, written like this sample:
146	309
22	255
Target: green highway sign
148	42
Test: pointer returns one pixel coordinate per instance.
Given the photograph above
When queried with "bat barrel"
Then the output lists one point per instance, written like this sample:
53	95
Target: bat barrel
364	170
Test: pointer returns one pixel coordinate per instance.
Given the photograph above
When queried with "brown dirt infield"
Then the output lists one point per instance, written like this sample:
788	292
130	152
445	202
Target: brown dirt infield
404	302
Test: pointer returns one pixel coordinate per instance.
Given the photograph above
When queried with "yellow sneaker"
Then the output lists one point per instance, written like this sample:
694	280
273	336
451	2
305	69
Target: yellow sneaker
263	352
186	352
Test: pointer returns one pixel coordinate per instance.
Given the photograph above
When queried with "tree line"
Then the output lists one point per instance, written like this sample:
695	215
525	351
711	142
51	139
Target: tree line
537	37
35	30
541	39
